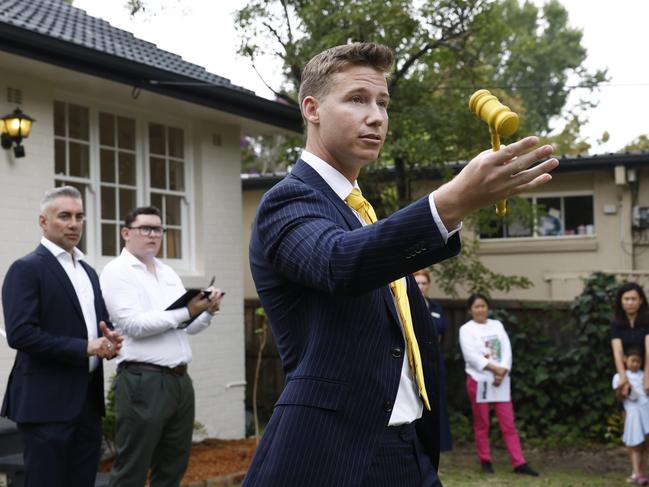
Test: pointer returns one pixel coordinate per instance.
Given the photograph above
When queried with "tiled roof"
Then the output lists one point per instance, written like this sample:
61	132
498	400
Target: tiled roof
58	20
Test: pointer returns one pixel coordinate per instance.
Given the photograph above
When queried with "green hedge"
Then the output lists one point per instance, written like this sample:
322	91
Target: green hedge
561	378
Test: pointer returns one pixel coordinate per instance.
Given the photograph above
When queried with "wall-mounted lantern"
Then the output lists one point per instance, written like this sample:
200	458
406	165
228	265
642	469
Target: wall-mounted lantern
14	128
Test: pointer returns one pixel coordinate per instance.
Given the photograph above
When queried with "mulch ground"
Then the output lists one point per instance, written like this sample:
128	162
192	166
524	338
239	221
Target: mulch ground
213	458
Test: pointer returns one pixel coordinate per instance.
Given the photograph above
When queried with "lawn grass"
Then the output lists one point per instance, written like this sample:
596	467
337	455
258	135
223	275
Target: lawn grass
595	466
460	468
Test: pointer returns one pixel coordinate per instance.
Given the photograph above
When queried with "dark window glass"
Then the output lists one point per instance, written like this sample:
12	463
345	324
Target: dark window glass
79	160
59	118
157	142
108	239
59	157
78	122
107	129
126	133
579	215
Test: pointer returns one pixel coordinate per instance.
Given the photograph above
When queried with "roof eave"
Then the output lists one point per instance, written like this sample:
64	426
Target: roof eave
89	61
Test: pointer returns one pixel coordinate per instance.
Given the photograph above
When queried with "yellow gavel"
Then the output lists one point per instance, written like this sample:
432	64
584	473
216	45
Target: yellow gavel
501	121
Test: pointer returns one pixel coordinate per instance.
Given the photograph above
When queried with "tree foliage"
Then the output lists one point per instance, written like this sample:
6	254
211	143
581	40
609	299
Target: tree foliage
445	50
639	143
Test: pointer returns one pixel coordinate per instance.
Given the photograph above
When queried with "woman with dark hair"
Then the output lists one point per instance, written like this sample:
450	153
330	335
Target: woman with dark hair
630	327
487	354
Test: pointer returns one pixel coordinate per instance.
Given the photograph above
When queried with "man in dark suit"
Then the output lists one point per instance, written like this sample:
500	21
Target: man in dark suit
54	312
353	332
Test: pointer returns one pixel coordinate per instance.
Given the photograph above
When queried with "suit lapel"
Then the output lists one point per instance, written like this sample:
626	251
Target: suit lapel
55	267
310	177
96	293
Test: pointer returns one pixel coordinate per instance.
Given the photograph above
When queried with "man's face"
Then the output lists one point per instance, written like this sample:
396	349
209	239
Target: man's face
347	126
62	222
144	237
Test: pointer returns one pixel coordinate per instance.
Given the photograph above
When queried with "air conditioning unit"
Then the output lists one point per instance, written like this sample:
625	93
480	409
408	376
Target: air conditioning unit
640	217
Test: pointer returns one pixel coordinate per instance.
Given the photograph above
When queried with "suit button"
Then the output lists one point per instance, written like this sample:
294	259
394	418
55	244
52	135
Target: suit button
387	406
396	352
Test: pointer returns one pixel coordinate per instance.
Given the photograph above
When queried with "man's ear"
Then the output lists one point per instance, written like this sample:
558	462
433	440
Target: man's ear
42	221
310	109
124	233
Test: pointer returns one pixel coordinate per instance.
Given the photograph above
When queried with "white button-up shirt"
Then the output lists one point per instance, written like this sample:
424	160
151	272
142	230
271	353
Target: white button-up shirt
408	405
137	301
82	287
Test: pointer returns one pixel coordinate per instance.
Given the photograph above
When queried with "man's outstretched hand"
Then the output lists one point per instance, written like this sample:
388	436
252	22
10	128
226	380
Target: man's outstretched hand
494	176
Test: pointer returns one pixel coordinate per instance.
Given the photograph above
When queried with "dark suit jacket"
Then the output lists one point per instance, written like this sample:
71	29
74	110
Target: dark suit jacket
323	280
44	323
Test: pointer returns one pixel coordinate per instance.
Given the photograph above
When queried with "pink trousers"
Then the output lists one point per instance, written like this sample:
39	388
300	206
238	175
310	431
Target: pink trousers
505	415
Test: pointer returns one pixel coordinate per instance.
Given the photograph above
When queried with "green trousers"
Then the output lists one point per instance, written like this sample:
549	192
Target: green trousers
155	420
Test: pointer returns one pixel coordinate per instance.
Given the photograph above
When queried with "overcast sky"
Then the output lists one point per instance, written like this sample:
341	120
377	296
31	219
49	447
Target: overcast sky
616	34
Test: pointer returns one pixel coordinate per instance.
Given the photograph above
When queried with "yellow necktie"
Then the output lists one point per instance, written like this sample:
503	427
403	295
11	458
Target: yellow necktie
398	287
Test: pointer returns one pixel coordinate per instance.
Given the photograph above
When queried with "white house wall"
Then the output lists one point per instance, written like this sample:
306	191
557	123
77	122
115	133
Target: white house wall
215	215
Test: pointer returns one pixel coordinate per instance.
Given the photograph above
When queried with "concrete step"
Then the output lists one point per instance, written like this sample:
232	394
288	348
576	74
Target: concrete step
12	468
10	440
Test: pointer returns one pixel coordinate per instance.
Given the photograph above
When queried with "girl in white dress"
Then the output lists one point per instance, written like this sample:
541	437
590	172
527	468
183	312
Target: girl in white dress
636	407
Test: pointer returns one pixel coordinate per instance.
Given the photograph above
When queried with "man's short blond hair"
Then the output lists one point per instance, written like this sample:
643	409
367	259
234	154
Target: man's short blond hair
318	72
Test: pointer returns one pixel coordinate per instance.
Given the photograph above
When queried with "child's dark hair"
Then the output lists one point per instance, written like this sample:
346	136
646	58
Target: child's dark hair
634	352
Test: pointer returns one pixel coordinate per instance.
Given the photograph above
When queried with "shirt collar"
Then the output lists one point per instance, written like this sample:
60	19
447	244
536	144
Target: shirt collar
57	251
135	262
336	181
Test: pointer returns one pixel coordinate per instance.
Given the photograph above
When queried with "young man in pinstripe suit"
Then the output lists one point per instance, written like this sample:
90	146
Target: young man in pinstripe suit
333	283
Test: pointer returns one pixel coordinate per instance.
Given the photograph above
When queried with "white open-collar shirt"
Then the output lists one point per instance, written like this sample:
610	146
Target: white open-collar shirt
137	300
408	405
82	288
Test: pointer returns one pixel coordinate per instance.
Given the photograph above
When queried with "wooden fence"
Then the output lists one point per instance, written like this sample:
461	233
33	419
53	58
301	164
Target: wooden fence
271	380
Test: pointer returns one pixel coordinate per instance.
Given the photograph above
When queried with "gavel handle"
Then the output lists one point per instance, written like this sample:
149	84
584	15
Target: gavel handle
501	206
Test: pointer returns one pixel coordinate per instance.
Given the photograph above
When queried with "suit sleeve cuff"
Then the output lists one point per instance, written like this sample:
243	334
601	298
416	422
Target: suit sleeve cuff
444	232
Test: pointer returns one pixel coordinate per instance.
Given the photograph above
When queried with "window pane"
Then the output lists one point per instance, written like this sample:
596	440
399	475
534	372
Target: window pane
79	160
127	168
59	157
549	210
158	173
173	244
172	210
126	202
108	203
157	139
59	118
107	129
126	133
78	122
579	215
176	146
156	200
108	236
107	165
176	175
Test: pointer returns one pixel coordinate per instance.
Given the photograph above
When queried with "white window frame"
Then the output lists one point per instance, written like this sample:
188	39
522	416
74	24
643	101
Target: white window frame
92	228
535	235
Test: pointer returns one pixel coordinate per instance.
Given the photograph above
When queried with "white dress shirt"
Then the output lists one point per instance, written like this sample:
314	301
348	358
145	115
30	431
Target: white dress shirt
408	405
137	300
82	287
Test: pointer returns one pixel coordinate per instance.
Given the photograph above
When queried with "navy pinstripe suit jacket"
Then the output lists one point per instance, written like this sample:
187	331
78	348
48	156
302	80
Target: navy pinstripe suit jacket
323	280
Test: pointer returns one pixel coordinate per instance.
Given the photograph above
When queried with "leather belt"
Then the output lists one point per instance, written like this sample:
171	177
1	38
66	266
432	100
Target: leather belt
179	370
